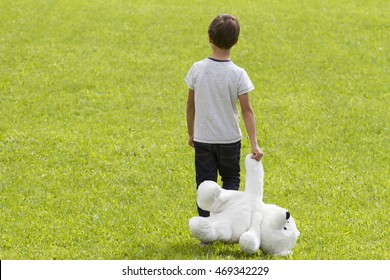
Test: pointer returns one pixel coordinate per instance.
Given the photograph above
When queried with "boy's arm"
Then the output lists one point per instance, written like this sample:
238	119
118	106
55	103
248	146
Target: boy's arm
191	116
250	125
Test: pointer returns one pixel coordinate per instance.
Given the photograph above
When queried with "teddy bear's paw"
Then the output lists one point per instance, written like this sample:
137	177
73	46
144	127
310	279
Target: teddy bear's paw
249	243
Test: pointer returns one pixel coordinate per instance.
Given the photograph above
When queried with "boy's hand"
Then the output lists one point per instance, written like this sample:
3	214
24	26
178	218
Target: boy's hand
191	141
257	153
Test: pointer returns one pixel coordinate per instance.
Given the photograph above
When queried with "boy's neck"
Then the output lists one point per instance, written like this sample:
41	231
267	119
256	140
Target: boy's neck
220	54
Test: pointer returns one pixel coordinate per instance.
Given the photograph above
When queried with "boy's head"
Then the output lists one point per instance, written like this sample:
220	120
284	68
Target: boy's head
224	31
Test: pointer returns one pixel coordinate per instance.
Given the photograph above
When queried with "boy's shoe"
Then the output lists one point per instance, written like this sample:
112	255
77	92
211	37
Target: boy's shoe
204	243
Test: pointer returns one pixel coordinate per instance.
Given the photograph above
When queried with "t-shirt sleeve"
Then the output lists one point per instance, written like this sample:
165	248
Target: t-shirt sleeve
245	84
190	78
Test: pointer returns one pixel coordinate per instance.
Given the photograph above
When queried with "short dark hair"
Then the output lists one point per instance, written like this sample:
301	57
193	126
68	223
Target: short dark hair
224	31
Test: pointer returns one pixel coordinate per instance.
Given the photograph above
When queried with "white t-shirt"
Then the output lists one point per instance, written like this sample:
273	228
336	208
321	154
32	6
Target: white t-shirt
217	85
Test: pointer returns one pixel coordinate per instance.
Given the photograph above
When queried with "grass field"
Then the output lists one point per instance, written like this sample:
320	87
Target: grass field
93	156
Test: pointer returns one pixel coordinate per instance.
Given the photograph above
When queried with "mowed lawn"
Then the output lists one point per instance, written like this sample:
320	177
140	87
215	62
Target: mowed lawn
94	162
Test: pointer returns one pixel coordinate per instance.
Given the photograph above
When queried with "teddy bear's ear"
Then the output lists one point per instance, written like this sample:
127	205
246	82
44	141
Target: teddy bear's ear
278	216
282	218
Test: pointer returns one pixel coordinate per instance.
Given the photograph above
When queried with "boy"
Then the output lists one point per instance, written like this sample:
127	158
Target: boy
215	85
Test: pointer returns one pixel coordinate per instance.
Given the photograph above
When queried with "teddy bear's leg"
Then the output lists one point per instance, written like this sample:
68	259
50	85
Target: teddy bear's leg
202	229
250	240
209	229
211	197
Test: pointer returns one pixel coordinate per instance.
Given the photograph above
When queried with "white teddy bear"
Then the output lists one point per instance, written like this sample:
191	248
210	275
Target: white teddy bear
242	217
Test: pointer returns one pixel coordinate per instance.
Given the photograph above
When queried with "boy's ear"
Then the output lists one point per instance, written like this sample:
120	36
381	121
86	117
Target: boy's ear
210	40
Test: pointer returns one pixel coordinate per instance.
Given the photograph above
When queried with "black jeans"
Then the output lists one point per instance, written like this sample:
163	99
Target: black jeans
213	158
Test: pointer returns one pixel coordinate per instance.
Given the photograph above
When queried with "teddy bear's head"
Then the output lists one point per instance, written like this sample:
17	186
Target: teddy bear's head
279	232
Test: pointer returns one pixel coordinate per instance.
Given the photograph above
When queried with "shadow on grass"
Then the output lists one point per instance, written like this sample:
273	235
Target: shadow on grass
190	250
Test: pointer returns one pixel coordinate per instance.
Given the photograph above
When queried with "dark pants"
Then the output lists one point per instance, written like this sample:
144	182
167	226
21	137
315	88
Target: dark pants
213	158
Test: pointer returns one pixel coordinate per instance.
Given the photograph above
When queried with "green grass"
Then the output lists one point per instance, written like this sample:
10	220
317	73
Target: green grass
93	156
